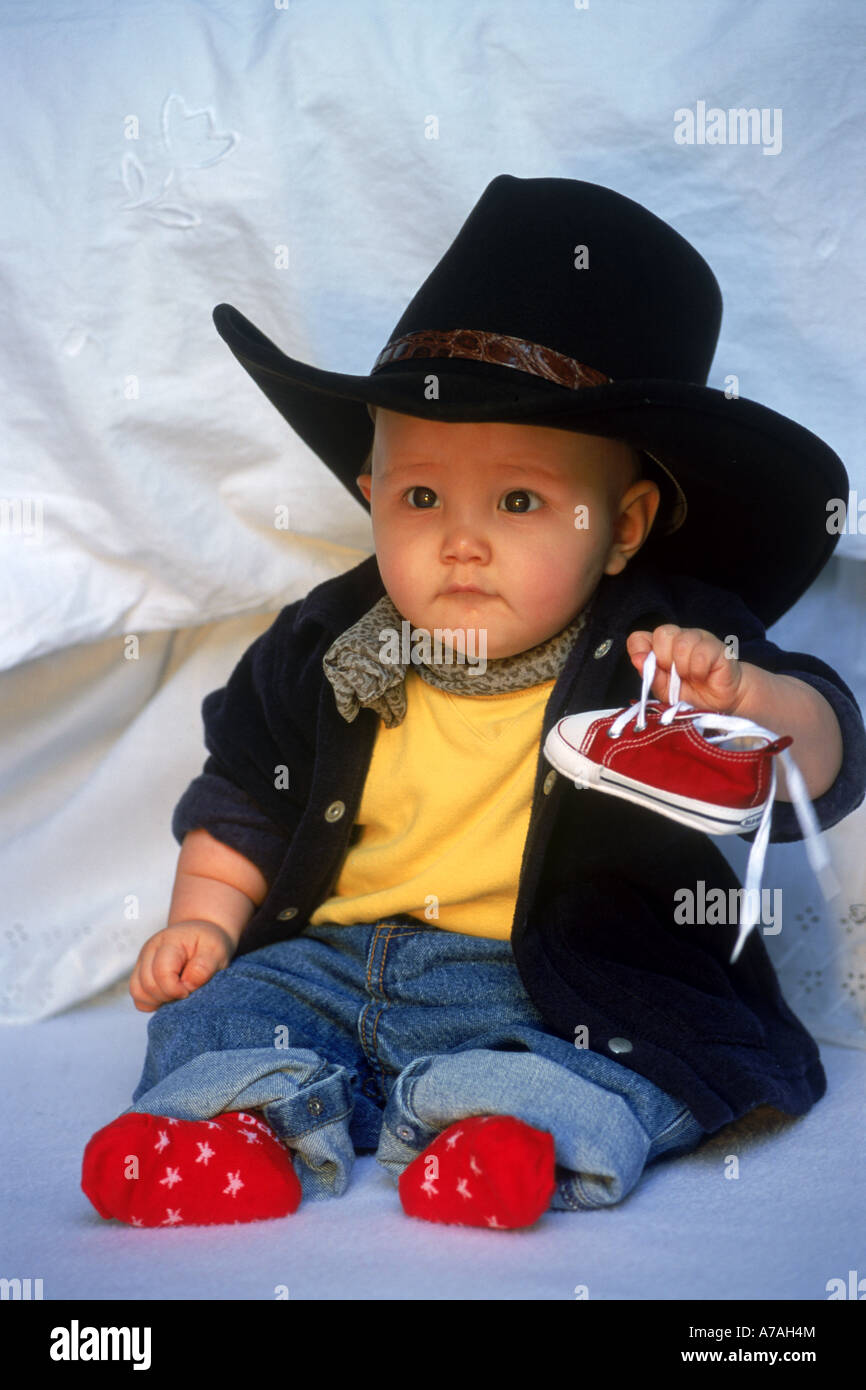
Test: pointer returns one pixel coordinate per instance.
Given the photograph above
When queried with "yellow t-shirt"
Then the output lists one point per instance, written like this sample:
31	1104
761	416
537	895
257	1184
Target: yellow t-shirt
444	812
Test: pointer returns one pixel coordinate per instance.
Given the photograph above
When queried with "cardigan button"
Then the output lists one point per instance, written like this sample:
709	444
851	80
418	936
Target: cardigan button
335	810
603	648
287	914
548	783
619	1045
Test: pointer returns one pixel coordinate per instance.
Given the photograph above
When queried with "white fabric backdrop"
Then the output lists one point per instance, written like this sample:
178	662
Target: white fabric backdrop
156	159
155	461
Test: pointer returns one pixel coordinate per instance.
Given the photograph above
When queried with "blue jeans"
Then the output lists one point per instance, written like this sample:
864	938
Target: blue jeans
378	1037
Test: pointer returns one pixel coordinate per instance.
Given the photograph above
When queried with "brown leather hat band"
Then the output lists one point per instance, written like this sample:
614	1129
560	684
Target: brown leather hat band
496	348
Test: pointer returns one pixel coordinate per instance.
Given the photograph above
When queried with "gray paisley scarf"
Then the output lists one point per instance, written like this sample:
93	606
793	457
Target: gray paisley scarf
364	667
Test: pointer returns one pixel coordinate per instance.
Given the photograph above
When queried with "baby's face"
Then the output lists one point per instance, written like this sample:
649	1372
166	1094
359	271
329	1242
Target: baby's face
499	506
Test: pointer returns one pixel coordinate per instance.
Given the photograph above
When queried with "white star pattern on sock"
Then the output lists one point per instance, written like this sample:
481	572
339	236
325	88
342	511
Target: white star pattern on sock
452	1139
161	1142
172	1175
463	1189
205	1152
172	1217
430	1188
250	1136
474	1166
235	1183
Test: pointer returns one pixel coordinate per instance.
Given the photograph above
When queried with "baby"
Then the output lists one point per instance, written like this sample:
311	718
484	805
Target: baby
465	922
531	576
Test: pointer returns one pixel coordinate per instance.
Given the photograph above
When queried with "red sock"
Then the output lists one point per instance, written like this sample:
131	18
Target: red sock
148	1170
488	1170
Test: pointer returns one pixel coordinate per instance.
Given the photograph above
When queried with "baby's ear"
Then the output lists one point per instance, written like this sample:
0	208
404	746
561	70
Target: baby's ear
364	481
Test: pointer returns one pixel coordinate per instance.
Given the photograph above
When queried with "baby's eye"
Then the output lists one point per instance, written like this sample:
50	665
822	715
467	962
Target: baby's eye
429	491
515	492
523	492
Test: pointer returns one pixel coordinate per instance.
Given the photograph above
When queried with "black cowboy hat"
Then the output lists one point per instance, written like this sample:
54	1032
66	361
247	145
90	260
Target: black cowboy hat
566	304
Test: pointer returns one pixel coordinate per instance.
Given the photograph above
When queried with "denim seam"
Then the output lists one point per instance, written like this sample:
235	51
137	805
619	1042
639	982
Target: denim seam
410	1107
370	1053
400	930
587	1204
311	1081
680	1122
568	1196
391	932
321	1124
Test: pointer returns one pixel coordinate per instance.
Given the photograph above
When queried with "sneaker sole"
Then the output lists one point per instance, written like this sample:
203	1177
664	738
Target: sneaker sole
700	815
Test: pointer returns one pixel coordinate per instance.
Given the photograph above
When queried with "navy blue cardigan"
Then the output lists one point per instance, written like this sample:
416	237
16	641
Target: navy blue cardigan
593	933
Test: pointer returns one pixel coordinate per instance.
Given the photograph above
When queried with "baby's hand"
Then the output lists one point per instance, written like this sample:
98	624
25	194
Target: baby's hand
709	677
175	961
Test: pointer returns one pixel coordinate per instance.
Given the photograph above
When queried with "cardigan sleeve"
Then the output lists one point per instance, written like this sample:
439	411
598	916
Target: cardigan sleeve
259	729
724	613
214	803
848	790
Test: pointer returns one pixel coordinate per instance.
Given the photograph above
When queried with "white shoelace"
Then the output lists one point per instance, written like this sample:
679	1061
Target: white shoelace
731	724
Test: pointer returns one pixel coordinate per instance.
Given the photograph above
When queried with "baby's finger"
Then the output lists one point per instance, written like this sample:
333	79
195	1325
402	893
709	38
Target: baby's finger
168	963
694	648
695	653
664	639
142	985
639	645
208	959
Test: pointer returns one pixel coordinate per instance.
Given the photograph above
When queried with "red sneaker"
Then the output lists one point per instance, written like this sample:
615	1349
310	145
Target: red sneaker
714	772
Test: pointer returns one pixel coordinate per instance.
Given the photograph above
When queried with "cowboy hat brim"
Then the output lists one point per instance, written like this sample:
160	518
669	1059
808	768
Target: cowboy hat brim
759	487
